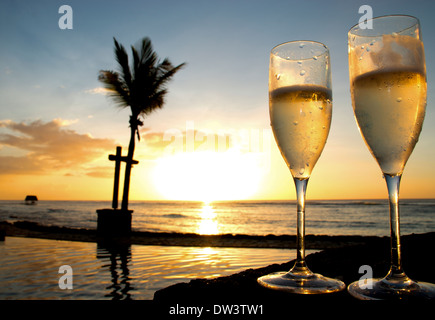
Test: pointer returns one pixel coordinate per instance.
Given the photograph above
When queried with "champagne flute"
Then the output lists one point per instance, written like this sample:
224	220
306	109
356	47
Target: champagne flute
300	106
388	88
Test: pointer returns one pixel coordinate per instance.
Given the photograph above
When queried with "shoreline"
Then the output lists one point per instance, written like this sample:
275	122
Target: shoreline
317	242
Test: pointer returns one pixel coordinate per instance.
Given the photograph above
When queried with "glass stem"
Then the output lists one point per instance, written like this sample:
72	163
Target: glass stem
300	266
396	273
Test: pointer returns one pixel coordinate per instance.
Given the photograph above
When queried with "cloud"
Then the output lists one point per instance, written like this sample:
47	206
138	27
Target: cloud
65	123
20	165
98	90
100	172
50	147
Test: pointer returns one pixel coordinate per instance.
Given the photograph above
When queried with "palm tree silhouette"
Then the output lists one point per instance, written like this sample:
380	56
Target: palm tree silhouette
141	87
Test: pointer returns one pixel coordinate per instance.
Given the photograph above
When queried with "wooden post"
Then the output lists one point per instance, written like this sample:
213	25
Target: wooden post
117	159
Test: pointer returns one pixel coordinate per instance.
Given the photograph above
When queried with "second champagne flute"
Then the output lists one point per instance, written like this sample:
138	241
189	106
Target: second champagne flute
388	86
300	105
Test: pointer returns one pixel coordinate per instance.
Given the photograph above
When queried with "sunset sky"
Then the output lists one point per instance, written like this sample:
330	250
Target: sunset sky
212	140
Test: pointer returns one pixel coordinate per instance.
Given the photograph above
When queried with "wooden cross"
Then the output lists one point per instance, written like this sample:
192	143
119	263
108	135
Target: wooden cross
118	158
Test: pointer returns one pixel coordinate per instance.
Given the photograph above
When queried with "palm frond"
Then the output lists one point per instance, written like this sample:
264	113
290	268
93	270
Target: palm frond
122	59
141	86
167	71
145	59
117	89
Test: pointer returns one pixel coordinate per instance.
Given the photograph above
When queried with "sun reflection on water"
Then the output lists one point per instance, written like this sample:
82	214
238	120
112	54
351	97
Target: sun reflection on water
208	224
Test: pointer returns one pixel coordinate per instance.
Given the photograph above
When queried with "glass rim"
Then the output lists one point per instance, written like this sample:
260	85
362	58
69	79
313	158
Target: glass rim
320	44
416	22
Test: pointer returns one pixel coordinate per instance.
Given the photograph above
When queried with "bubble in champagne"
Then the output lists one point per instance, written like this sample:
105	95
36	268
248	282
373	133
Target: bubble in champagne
399	99
302	73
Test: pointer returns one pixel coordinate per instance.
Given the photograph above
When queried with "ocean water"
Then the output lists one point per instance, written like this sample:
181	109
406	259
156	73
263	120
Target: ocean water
326	217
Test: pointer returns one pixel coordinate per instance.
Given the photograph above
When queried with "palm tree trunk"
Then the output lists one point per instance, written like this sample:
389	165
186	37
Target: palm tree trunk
131	146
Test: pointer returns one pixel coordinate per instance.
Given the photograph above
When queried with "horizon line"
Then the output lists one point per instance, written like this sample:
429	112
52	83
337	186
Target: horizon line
229	200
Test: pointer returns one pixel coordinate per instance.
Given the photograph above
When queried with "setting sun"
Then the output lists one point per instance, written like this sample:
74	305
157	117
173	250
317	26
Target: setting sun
208	176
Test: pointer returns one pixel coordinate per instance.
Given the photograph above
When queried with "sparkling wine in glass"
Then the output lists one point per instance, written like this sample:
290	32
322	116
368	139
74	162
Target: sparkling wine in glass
388	87
300	106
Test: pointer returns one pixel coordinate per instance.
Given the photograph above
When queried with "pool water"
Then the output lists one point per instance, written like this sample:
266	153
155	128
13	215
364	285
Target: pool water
29	268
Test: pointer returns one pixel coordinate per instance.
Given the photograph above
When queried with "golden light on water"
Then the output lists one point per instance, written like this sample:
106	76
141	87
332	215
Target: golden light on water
208	223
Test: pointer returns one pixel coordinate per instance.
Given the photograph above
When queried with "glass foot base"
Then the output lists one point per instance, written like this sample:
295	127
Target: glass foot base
305	284
383	289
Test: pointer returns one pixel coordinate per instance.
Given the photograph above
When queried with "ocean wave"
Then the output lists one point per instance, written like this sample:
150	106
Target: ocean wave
327	203
419	204
252	203
174	215
278	203
60	210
